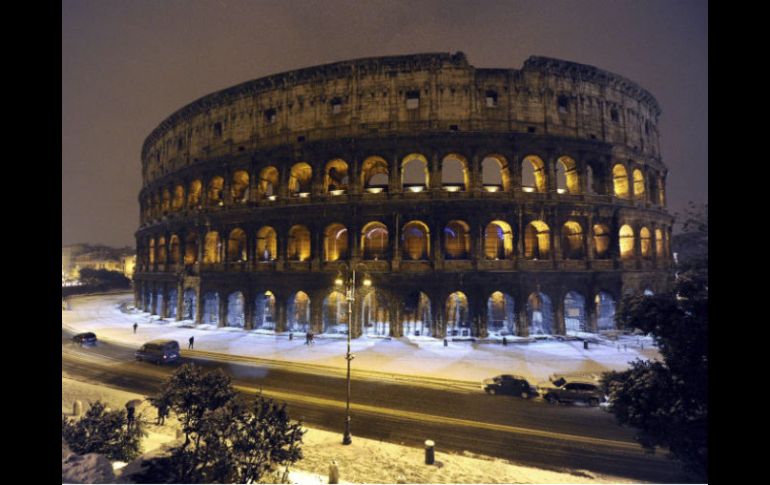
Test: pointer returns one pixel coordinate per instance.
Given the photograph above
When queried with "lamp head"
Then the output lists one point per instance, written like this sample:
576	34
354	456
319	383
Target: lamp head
367	280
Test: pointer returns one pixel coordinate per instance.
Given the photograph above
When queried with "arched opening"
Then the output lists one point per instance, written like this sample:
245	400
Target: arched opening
638	184
501	319
174	249
659	243
537	240
264	311
414	173
498	241
454	173
374	241
166	201
300	180
299	244
211	248
236	246
189	304
335	242
416	320
162	250
268	183
626	242
620	181
336	177
173	295
158	302
216	185
375	315
458	323
648	292
540	313
601	241
645	243
375	175
151	251
267	244
415	241
191	249
240	187
533	174
567	181
335	313
457	240
298	312
605	311
194	195
147	300
574	313
177	203
236	316
210	308
572	242
495	174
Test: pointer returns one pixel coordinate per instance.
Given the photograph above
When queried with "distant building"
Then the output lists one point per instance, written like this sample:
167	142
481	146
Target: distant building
76	257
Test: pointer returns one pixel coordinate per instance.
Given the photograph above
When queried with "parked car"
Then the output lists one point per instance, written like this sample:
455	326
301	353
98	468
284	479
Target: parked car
86	338
563	389
159	351
509	384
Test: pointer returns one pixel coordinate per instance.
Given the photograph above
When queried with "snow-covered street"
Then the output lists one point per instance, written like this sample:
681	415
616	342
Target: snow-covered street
111	317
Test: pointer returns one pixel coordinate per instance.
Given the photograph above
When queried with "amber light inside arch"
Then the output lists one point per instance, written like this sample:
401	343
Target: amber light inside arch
236	245
267	244
194	195
299	243
335	242
415	175
638	184
455	173
416	240
240	187
533	174
191	249
300	179
211	247
495	173
537	240
374	240
601	241
620	181
645	242
375	174
457	240
215	190
626	242
572	240
336	177
268	182
567	180
177	203
498	240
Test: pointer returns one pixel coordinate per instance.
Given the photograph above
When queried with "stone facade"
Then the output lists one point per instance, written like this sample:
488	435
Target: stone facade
446	185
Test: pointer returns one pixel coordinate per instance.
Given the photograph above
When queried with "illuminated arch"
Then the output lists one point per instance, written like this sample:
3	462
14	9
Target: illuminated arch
240	187
189	303
495	174
335	242
236	315
300	179
264	311
638	184
191	249
177	203
375	174
335	313
216	185
620	181
166	201
210	314
457	240
457	315
454	172
267	244
211	248
601	241
574	313
173	245
567	179
336	177
498	240
415	237
236	246
416	318
268	182
605	311
194	194
375	314
537	240
572	240
162	250
540	314
533	177
299	243
415	175
374	240
626	242
645	242
172	303
659	243
501	317
298	312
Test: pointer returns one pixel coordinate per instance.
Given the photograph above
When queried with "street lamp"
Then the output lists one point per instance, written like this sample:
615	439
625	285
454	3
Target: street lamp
350	293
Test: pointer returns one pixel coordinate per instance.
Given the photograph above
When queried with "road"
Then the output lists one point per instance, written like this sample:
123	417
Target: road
525	432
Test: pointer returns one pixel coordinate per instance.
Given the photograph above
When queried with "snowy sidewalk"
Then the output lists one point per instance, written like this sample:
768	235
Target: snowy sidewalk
468	362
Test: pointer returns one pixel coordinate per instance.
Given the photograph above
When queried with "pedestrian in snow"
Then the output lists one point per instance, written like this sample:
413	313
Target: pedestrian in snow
135	325
130	410
291	336
192	342
162	413
307	338
312	338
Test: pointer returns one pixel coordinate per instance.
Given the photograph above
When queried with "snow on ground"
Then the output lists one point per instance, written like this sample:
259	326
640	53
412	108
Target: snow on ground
364	461
107	316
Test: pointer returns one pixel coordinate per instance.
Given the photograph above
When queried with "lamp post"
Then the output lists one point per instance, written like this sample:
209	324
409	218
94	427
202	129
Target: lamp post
350	295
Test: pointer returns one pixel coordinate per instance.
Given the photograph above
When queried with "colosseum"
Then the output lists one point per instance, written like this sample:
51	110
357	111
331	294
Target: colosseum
470	203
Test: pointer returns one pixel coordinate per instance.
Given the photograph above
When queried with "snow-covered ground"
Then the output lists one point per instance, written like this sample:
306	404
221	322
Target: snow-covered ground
106	316
364	461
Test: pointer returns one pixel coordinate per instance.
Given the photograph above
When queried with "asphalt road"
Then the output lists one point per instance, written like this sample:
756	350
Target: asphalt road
457	418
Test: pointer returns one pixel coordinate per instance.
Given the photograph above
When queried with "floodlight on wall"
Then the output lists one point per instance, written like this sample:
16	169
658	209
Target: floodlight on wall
528	189
337	192
491	188
272	197
561	191
303	194
417	188
367	280
374	190
338	281
452	188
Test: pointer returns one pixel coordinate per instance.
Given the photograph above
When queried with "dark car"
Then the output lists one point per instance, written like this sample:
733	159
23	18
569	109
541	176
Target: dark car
509	384
159	351
569	390
86	338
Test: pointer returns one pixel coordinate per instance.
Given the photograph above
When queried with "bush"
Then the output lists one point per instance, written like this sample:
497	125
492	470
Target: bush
104	432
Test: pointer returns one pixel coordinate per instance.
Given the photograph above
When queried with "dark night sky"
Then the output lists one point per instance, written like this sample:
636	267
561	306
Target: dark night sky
127	65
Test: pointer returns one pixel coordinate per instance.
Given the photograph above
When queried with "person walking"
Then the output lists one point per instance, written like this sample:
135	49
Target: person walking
307	338
130	411
192	342
135	325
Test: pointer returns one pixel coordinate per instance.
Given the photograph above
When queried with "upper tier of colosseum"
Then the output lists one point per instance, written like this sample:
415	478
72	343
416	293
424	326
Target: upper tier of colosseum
378	96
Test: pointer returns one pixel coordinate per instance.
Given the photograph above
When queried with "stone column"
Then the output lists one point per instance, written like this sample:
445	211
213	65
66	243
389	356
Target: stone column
590	313
434	171
394	178
163	310
179	299
198	305
558	315
522	318
222	310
